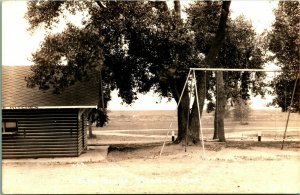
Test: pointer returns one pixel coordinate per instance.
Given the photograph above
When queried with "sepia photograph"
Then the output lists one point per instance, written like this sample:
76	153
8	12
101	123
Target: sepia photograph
150	97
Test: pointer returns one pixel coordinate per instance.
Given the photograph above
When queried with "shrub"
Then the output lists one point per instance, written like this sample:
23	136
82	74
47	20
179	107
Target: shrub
241	111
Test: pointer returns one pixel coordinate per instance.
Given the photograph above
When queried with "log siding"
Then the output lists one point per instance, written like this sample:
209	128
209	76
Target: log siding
44	133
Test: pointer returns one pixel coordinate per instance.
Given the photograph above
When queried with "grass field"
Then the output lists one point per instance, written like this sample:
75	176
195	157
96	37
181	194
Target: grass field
154	125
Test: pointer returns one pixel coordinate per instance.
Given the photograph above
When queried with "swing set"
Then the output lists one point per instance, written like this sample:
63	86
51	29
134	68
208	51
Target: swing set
191	83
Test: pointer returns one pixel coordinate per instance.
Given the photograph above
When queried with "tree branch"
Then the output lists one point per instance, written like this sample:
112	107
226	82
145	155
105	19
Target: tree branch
177	8
161	5
101	4
220	35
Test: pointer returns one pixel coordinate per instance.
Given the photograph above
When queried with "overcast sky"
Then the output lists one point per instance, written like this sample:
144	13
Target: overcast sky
18	43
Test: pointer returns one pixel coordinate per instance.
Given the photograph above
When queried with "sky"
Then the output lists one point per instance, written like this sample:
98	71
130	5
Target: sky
18	43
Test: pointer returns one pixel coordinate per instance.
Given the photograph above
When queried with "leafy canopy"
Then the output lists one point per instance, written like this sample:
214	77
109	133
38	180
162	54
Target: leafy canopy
138	46
134	44
284	43
240	50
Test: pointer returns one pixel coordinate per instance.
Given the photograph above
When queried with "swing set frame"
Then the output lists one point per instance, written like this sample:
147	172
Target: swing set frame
193	86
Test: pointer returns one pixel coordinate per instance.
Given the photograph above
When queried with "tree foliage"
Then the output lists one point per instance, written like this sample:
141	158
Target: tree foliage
284	42
141	46
240	49
134	46
241	111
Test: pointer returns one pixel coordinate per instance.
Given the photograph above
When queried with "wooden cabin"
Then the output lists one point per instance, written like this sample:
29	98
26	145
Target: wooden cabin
38	123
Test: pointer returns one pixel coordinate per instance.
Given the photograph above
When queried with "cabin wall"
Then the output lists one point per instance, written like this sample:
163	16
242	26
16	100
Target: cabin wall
42	133
82	136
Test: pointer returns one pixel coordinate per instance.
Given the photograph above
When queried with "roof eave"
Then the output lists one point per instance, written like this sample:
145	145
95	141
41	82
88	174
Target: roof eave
45	107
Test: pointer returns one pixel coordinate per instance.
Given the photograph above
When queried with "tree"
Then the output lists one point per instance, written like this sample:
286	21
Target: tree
215	45
141	46
170	52
239	50
135	46
79	53
241	111
284	43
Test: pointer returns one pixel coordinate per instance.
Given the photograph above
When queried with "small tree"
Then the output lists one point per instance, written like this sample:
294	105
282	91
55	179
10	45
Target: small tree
241	111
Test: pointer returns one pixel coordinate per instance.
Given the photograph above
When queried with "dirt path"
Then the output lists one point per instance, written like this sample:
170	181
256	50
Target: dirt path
231	168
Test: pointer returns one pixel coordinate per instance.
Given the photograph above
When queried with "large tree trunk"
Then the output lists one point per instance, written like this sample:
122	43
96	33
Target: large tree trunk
183	110
210	62
177	86
177	9
219	132
90	128
194	116
100	103
220	36
101	97
182	117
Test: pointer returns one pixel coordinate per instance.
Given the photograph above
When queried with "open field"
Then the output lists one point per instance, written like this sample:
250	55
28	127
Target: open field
161	119
154	125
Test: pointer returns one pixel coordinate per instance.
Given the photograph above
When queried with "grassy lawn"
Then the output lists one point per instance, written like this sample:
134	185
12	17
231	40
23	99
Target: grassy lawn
269	122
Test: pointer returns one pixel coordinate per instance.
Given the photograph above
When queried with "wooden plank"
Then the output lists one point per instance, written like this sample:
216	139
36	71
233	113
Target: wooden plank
50	111
73	135
33	145
35	139
28	115
40	148
44	131
38	119
39	155
36	125
74	128
50	133
40	115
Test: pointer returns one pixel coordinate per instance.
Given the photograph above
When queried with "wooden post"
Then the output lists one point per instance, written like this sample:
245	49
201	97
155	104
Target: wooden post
259	136
173	138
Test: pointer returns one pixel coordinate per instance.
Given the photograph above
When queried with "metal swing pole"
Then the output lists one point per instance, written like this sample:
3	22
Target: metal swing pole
199	116
186	81
184	87
217	106
288	117
188	117
187	123
235	69
166	137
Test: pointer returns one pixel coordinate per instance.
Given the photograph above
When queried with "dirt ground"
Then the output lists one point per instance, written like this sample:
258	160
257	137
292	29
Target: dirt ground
232	167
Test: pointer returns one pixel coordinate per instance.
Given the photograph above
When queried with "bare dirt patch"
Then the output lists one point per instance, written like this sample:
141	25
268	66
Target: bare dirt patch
232	167
151	151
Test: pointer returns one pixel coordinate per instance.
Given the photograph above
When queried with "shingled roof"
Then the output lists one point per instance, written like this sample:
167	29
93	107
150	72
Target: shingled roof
16	94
